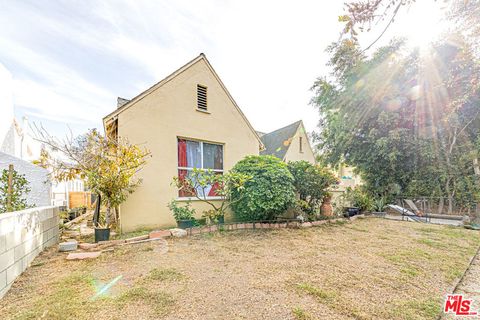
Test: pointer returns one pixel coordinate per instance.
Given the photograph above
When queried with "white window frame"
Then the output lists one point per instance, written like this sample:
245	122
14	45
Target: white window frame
202	168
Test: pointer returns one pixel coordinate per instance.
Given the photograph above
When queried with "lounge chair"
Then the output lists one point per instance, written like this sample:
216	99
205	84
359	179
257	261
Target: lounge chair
405	213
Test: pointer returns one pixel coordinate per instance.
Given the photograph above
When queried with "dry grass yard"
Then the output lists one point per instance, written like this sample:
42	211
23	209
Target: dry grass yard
367	269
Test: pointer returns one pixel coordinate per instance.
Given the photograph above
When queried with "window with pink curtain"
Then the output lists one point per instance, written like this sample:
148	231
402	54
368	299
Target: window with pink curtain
201	155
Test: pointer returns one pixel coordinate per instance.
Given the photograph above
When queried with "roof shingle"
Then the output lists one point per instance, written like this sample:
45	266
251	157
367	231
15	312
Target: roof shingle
277	142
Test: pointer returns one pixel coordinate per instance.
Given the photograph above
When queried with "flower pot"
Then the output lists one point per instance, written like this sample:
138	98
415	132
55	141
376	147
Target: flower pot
102	234
185	224
221	219
326	209
379	214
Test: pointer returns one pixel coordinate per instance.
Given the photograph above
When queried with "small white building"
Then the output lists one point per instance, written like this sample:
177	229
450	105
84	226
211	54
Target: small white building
38	178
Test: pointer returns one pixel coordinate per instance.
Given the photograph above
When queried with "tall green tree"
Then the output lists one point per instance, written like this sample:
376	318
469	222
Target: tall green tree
407	121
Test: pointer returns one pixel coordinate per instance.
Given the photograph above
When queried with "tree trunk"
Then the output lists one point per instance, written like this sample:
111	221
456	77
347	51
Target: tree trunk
440	205
10	188
96	214
449	195
107	215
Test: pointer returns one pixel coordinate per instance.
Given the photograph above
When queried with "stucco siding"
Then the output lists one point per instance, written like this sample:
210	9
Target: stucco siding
294	154
37	177
155	122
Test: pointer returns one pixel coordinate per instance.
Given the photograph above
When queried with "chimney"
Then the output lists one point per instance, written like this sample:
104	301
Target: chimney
121	102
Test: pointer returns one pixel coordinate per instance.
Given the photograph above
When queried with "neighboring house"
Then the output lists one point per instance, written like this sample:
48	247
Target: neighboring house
17	146
37	177
15	138
187	120
289	143
347	177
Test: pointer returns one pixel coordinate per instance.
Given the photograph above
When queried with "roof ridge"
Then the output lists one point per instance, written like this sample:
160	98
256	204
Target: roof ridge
291	124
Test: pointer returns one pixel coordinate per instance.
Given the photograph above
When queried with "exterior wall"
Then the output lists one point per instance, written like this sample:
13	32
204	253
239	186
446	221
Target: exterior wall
155	122
23	235
348	178
38	178
293	152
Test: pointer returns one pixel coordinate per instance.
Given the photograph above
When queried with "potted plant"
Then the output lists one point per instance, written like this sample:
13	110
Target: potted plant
184	215
109	166
102	229
326	208
214	216
223	186
379	206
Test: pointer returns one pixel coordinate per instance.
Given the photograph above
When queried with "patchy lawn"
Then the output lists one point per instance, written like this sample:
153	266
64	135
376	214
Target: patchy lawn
368	269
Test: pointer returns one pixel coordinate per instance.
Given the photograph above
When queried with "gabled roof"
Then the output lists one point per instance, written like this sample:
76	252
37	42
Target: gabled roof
113	115
277	142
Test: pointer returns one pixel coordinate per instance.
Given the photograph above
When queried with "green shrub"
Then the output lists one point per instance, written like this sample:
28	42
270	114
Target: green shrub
379	204
311	183
181	213
359	198
268	193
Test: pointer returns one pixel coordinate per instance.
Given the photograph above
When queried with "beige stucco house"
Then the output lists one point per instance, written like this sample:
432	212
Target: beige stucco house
187	120
289	143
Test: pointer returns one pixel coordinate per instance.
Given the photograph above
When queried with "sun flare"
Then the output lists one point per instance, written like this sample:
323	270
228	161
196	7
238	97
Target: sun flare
423	24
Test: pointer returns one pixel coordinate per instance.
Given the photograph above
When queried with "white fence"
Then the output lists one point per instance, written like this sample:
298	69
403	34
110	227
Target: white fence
23	235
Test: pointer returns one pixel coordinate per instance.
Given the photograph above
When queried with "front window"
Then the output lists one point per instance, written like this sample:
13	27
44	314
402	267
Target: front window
201	155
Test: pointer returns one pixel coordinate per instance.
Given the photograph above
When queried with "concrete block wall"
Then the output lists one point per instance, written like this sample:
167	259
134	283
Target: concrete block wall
23	235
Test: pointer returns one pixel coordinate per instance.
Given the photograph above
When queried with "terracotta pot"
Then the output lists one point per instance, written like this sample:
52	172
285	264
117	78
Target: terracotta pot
326	209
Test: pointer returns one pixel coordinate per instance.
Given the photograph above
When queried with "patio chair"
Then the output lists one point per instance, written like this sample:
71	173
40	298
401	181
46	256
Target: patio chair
405	213
414	208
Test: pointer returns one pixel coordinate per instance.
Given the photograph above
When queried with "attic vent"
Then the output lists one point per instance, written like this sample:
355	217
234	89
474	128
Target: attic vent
201	97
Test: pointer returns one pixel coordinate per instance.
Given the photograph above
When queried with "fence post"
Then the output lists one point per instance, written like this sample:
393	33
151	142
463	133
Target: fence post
10	188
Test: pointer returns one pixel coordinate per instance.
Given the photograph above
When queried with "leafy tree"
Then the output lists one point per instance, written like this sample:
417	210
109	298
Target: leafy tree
407	123
311	182
109	166
19	190
362	16
225	185
270	191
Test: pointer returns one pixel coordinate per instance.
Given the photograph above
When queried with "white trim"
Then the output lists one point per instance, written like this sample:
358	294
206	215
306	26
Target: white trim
203	111
201	155
191	168
196	199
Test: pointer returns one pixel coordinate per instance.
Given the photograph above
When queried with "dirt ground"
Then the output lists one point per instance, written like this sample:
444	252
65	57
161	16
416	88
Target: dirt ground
367	269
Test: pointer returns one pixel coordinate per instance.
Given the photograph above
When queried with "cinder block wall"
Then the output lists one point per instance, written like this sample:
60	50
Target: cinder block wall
23	235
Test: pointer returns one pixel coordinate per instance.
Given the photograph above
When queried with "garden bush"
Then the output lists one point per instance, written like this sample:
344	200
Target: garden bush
311	184
268	193
359	198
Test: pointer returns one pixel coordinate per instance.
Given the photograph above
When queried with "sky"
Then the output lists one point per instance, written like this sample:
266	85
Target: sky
71	59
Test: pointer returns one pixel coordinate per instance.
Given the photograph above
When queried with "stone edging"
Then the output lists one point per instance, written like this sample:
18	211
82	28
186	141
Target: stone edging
178	233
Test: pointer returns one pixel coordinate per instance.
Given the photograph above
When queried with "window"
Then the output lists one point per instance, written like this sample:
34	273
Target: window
301	144
201	97
201	155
